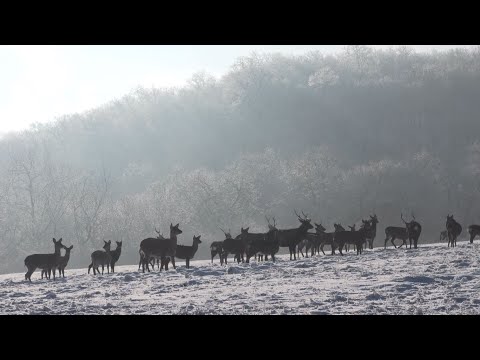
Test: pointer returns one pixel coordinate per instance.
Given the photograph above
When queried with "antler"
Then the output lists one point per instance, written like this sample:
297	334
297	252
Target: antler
296	213
413	216
305	215
223	231
401	216
158	232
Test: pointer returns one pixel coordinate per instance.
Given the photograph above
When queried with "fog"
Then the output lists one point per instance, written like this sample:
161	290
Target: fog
338	135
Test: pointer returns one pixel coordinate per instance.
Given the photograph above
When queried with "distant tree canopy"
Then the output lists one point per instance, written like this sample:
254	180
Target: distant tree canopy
337	136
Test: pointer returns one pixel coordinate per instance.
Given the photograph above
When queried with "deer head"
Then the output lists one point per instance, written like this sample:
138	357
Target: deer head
196	239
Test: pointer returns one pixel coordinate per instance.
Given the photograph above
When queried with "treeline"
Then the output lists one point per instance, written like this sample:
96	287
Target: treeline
337	136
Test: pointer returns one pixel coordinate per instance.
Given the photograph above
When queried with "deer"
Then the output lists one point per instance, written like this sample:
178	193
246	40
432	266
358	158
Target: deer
160	248
395	232
216	247
372	230
443	235
325	238
342	237
291	237
347	245
152	259
63	261
263	244
188	252
454	229
413	230
236	246
101	257
473	230
44	261
115	255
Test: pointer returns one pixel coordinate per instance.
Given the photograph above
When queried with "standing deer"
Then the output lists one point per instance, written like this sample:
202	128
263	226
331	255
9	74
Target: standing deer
152	259
372	230
357	238
43	261
395	232
235	246
216	247
413	230
347	245
291	237
115	255
263	244
63	261
443	235
101	257
188	252
160	249
454	229
325	238
473	230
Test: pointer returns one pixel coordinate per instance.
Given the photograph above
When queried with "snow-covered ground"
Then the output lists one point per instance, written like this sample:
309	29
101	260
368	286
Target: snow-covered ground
433	279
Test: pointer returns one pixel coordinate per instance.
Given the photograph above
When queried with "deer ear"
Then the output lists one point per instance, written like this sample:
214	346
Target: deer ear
199	237
54	241
105	242
59	240
171	225
177	225
247	228
71	247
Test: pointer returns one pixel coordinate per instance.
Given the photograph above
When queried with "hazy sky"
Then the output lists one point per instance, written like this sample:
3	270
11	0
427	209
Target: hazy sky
39	83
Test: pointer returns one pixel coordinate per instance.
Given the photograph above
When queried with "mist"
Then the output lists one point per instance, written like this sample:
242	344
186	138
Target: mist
339	136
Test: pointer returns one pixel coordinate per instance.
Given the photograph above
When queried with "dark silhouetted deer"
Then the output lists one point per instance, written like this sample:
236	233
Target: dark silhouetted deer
186	253
395	232
47	262
443	235
160	249
62	264
473	230
454	229
413	230
101	257
235	246
291	237
372	230
263	244
357	238
115	255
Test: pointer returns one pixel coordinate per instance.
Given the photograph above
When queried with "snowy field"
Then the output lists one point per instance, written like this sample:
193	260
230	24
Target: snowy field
433	279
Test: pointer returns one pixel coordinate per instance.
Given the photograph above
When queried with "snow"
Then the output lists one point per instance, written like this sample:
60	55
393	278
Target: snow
432	279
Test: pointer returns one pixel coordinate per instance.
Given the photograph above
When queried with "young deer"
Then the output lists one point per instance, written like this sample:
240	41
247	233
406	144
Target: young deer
100	257
186	253
64	261
473	230
115	254
443	235
44	261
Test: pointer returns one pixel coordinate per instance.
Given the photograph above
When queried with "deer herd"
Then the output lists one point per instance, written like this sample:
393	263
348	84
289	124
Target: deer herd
247	245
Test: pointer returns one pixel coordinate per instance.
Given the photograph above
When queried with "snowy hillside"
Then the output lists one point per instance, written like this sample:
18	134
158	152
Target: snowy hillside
433	279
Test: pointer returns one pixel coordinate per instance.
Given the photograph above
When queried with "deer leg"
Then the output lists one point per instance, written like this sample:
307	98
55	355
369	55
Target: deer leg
28	275
188	262
392	240
103	267
386	239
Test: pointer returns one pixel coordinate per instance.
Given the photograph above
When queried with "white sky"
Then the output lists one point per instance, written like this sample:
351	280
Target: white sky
39	83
